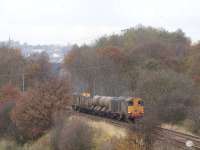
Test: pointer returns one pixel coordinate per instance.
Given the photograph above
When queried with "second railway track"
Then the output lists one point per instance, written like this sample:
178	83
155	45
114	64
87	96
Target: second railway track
177	138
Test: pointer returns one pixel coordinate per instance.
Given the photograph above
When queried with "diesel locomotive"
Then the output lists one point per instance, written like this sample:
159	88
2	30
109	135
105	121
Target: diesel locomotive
120	108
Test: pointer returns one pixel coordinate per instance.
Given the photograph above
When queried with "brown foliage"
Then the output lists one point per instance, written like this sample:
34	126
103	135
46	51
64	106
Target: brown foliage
75	135
11	64
72	55
33	112
110	66
113	53
9	92
37	68
8	96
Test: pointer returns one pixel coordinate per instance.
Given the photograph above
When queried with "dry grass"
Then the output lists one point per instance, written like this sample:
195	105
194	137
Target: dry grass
41	144
106	137
110	137
179	128
9	145
108	129
105	133
159	145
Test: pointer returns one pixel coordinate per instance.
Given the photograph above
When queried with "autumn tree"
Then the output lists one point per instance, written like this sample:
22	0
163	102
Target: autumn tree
34	111
81	62
37	68
191	63
172	94
141	35
9	94
108	71
112	64
11	66
89	66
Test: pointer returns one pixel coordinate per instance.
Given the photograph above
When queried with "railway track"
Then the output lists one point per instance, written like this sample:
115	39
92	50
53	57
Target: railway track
98	118
179	138
176	138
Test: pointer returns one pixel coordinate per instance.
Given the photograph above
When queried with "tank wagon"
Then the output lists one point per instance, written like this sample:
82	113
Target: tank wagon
120	108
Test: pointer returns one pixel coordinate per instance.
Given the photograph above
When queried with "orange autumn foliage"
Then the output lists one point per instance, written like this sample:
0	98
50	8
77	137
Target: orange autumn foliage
34	111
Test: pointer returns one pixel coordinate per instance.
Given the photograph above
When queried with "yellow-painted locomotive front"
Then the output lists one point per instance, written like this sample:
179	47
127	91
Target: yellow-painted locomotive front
135	108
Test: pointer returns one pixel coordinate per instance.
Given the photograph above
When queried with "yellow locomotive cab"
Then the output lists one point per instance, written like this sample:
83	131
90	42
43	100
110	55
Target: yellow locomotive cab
135	108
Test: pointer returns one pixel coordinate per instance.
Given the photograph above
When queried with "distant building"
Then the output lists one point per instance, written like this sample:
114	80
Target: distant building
56	52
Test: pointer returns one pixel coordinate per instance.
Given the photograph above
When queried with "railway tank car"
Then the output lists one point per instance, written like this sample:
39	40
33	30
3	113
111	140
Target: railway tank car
120	108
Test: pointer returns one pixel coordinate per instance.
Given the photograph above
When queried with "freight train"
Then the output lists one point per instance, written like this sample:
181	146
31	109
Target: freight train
120	108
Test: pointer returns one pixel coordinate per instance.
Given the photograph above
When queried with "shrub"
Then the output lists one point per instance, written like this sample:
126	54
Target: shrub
75	135
8	97
166	93
9	92
33	112
129	142
9	145
194	119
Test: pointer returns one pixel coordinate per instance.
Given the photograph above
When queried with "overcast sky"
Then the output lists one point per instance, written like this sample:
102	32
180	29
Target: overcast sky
82	21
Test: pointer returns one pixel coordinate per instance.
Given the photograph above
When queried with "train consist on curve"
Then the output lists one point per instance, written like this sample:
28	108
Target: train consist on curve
120	108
